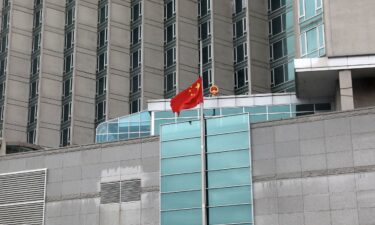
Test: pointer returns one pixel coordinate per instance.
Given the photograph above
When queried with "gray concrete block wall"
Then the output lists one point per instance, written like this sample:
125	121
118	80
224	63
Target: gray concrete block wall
18	71
315	170
74	176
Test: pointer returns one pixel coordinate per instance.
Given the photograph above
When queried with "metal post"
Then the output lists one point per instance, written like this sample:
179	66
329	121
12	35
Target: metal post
203	148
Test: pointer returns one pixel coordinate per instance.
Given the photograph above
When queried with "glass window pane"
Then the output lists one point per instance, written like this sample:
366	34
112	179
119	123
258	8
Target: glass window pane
227	178
181	147
181	182
256	109
182	200
309	8
276	25
277	50
312	44
113	128
180	130
228	141
291	71
289	20
228	123
164	114
189	164
230	214
189	113
279	108
183	217
229	196
226	160
258	118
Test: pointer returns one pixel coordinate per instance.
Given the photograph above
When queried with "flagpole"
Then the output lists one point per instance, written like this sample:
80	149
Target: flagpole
203	146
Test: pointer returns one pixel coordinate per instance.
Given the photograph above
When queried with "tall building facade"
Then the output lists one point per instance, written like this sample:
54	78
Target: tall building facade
67	66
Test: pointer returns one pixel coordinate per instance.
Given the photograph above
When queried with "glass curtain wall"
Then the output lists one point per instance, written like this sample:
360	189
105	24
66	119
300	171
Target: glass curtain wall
229	183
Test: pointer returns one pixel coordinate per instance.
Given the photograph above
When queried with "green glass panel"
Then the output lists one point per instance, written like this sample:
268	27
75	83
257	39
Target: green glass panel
225	160
230	111
180	130
226	142
256	109
134	135
181	147
145	126
145	116
189	113
312	44
181	200
159	122
278	108
112	137
102	128
279	116
123	136
229	196
134	127
164	115
258	118
189	164
291	71
321	36
301	7
289	20
309	8
211	112
181	182
135	118
303	44
227	124
290	45
227	178
230	214
113	127
182	217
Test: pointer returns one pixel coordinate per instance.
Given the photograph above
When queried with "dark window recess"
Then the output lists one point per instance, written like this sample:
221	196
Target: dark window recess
130	190
241	81
5	20
276	25
68	63
4	43
305	109
36	42
110	192
169	10
135	11
170	57
2	90
279	75
169	82
70	17
323	107
67	88
32	114
101	62
2	67
103	14
134	106
240	53
31	137
278	50
100	110
135	35
206	79
169	33
275	4
239	29
69	39
238	6
34	89
101	85
204	7
135	83
135	60
65	137
204	30
66	112
35	66
205	54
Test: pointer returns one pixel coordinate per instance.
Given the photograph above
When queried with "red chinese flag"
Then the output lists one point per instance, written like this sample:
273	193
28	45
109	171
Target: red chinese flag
188	98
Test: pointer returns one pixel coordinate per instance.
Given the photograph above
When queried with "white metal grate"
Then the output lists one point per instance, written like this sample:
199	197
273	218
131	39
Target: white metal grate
22	197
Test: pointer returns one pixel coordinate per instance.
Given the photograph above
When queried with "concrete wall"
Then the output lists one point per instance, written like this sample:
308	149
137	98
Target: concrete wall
222	45
75	174
258	44
18	71
349	27
315	170
51	70
187	59
84	73
118	87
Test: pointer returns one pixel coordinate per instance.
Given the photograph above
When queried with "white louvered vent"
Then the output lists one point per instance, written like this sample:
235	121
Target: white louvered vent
22	197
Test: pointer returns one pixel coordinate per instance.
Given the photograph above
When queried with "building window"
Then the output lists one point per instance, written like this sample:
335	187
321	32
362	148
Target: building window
204	7
240	53
69	39
35	66
101	85
102	62
239	28
136	35
136	11
33	111
34	89
135	83
37	2
70	16
100	111
207	79
170	33
65	137
6	3
239	5
312	43
207	57
276	4
103	14
68	63
67	87
241	78
170	82
170	57
309	9
3	67
282	74
4	43
31	137
205	30
38	18
36	42
169	9
135	106
2	90
2	112
5	20
66	112
136	59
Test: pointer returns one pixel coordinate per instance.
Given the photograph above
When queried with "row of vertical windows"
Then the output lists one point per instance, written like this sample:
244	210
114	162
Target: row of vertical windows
65	137
67	87
36	42
3	67
4	43
207	78
38	18
6	20
274	5
2	90
31	136
66	112
281	23
102	62
207	54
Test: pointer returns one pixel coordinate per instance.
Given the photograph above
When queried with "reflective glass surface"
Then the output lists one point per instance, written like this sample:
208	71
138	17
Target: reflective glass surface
181	200
182	217
230	214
